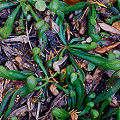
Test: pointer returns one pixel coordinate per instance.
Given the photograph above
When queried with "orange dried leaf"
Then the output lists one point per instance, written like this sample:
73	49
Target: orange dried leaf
74	116
116	25
105	49
19	60
71	2
54	90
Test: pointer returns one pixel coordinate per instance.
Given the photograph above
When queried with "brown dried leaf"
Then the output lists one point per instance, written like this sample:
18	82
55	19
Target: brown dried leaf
9	51
30	104
109	28
47	19
10	65
116	25
19	112
74	116
68	31
54	90
55	28
109	72
88	79
114	102
58	63
105	49
19	60
21	38
96	78
71	2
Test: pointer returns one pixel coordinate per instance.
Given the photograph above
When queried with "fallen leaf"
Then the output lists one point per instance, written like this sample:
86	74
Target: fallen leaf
30	104
114	102
71	2
105	49
54	90
116	25
58	63
55	28
10	65
88	79
19	112
74	116
109	28
97	76
68	31
19	60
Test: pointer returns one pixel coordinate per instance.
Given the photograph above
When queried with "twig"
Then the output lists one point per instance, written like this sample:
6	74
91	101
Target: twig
43	117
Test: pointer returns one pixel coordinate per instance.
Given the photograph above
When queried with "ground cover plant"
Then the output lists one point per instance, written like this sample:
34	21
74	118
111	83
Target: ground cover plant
60	60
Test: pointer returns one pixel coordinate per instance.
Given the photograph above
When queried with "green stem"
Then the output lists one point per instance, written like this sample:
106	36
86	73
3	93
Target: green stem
39	87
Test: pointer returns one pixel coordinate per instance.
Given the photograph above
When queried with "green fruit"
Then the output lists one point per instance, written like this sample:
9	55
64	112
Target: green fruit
90	104
91	95
95	113
49	63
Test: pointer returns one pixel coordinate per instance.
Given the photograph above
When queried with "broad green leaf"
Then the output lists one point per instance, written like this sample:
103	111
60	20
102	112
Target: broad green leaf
4	72
117	53
95	37
91	66
40	5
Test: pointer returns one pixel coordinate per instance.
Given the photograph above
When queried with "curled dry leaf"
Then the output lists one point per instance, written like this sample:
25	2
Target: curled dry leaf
105	49
54	90
30	104
88	79
19	60
71	2
68	31
47	19
109	28
10	65
19	112
97	28
114	102
116	25
58	63
97	76
74	116
109	72
55	28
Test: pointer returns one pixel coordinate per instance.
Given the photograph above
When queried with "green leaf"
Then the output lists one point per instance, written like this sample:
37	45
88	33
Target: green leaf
117	53
4	72
40	5
111	56
91	66
95	37
92	20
